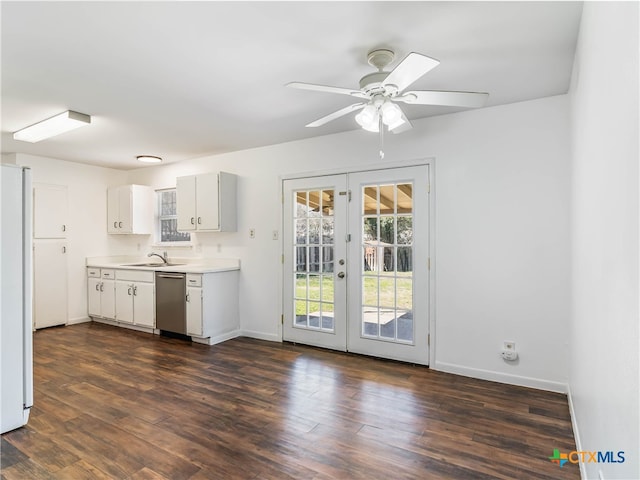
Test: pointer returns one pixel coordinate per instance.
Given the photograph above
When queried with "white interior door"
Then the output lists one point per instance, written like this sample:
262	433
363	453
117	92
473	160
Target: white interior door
315	261
356	274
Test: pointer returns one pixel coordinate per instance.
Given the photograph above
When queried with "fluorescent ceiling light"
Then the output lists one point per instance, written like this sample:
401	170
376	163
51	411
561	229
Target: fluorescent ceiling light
149	159
53	126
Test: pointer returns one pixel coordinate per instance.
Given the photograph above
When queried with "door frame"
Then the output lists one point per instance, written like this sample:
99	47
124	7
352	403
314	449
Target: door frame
431	163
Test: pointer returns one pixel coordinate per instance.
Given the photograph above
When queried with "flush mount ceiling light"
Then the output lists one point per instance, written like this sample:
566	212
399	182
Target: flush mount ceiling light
53	126
149	159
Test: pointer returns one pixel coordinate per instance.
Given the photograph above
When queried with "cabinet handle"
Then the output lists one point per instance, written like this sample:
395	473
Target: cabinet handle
192	221
129	291
119	224
102	286
199	221
97	287
64	228
187	298
64	249
135	290
115	224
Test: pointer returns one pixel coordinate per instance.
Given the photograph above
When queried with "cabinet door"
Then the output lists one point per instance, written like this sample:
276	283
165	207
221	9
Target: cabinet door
93	297
207	211
186	203
141	209
144	304
194	311
124	209
124	302
113	213
108	299
49	283
49	211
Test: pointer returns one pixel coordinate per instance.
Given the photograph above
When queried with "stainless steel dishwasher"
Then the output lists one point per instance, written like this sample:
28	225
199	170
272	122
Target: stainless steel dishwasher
171	307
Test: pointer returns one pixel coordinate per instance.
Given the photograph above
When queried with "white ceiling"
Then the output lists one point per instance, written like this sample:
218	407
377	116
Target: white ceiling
186	79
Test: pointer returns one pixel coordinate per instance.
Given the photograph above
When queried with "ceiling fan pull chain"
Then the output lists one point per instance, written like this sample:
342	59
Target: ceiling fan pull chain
381	129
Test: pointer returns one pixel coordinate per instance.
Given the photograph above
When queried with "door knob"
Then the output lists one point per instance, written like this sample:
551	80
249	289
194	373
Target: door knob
340	274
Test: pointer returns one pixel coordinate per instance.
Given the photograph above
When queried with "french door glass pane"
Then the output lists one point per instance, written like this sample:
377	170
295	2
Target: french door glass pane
313	248
387	267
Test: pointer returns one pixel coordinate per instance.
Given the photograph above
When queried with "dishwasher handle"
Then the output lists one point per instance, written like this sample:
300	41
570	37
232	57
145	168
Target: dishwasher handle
177	276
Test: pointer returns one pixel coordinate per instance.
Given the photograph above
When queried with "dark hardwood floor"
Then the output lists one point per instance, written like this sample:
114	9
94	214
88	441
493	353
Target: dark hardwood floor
114	403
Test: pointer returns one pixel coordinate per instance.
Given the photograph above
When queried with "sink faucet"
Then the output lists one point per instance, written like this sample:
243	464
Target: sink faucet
164	258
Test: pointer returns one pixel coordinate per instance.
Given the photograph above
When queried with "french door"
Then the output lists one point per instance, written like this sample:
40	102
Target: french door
356	262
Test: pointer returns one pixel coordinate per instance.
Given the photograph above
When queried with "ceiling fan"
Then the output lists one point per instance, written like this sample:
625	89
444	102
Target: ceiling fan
381	91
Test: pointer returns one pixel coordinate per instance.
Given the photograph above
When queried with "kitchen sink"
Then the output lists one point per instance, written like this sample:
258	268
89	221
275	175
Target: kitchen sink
153	264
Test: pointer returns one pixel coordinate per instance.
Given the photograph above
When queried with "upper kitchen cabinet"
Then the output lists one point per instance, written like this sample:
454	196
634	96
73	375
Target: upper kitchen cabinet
206	202
49	211
129	209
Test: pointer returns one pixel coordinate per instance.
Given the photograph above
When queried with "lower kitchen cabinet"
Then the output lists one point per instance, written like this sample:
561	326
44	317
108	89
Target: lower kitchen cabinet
101	293
194	311
127	298
135	297
212	306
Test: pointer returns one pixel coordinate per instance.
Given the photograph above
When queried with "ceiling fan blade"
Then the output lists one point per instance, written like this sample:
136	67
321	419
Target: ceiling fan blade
450	99
327	89
410	69
337	114
404	126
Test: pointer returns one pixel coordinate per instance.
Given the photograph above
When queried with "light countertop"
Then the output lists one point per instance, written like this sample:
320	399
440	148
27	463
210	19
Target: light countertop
183	265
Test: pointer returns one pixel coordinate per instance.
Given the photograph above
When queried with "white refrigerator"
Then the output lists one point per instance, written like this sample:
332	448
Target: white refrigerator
16	324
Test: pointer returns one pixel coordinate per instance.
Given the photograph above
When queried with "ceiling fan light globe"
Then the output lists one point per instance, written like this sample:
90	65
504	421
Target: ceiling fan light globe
391	113
371	127
367	116
396	124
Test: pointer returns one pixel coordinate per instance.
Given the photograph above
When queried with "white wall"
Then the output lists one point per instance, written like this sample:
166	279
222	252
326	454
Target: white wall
87	217
604	328
502	206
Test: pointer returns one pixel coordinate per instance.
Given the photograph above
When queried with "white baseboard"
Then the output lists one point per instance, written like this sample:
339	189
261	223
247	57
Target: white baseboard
74	321
576	431
271	337
115	323
500	377
217	339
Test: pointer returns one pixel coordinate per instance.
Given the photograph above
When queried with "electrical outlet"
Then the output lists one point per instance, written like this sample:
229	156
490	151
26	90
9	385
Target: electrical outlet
252	233
509	346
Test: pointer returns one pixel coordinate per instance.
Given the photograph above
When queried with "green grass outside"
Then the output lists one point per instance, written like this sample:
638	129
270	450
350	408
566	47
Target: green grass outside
404	291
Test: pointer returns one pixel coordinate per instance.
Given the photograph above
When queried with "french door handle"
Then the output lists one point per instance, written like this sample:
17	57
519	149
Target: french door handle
341	274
